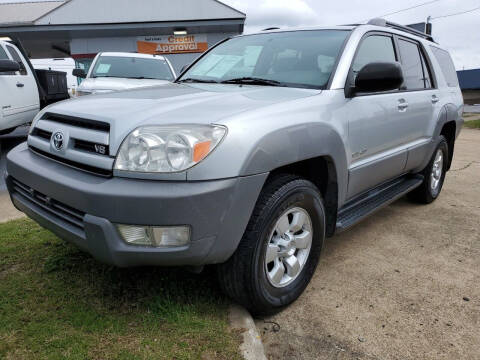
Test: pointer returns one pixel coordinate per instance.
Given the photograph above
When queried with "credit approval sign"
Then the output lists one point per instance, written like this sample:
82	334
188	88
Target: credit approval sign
172	44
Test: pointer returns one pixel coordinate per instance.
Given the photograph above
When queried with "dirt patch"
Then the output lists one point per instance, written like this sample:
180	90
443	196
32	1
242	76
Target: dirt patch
403	284
7	210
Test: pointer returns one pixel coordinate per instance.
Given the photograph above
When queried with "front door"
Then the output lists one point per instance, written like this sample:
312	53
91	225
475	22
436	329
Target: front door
26	102
376	131
8	90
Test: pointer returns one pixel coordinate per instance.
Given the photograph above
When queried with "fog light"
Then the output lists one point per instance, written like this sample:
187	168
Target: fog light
169	236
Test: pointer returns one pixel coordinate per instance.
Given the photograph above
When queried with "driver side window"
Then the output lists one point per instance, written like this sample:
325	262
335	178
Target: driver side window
375	48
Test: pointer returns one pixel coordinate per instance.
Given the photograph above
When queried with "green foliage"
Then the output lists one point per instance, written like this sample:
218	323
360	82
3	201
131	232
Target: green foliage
57	302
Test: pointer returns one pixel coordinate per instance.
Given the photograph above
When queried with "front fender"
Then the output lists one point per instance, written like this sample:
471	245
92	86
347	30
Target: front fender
297	143
246	152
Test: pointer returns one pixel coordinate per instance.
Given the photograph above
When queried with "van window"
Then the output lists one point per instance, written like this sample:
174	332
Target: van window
411	65
17	58
375	48
446	64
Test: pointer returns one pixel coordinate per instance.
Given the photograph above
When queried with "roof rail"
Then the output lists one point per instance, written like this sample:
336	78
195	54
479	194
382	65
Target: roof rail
385	23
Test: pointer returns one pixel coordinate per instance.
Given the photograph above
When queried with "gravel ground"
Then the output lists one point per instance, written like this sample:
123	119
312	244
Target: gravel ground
403	284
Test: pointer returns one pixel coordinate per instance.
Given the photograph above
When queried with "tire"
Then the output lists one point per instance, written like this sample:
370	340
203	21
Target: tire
255	282
432	184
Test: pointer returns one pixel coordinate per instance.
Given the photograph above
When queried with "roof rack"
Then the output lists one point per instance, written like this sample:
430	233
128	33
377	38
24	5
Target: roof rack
385	23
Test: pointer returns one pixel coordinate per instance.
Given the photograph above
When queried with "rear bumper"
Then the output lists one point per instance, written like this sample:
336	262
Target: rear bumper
83	209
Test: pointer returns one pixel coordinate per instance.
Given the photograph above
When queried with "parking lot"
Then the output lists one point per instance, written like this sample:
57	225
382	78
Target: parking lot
401	285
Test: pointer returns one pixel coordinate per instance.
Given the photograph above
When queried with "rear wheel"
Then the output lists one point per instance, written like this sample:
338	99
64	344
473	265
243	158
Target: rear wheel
280	249
434	175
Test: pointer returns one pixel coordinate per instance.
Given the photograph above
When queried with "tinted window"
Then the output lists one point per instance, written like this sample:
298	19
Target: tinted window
446	64
132	68
427	74
17	58
375	48
3	54
295	59
411	65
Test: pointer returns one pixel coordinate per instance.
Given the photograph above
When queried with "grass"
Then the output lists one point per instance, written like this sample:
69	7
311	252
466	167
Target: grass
472	124
57	302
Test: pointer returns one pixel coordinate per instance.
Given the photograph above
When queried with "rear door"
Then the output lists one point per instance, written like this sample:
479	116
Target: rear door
26	102
419	102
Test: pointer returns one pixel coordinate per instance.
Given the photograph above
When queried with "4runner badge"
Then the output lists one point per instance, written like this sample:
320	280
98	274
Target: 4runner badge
58	140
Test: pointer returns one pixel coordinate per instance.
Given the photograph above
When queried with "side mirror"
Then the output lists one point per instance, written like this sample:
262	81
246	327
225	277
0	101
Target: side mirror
9	66
379	76
79	73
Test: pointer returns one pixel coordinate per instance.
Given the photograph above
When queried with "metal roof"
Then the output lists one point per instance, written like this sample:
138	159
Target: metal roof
76	12
469	79
25	13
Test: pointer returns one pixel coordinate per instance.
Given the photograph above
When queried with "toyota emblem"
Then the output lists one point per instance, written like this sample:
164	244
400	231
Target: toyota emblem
58	140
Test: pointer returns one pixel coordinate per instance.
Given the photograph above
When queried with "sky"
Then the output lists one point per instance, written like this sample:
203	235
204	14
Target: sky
460	34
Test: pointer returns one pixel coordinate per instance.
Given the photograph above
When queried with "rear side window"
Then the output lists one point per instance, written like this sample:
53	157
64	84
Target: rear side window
412	65
446	64
16	57
375	48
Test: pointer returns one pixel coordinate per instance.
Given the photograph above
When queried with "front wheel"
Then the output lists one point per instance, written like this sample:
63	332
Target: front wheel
280	249
434	175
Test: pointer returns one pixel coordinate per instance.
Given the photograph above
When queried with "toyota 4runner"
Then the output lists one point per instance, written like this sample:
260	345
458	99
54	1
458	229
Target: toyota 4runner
264	146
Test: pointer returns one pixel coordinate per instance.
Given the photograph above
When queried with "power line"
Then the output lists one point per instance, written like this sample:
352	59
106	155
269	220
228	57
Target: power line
410	8
406	9
455	14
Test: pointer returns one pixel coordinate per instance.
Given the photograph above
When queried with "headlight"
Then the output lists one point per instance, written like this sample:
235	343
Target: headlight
164	149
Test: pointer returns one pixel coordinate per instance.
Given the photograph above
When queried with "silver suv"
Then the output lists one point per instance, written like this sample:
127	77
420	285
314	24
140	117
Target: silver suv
263	147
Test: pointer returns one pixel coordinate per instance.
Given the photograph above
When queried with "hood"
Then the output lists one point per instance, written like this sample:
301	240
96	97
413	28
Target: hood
116	84
174	104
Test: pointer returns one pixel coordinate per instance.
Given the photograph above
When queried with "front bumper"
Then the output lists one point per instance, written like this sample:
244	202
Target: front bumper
84	208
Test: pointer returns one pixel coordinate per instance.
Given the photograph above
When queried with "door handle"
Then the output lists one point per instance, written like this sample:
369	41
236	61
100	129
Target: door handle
435	99
19	84
402	105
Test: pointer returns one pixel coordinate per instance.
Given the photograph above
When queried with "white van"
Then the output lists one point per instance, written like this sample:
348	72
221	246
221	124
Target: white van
19	97
114	71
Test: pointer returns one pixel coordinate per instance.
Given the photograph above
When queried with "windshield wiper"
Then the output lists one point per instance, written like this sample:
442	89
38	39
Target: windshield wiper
252	81
192	80
142	78
106	76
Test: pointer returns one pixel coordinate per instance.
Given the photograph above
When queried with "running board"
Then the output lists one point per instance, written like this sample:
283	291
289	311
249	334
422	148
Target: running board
366	205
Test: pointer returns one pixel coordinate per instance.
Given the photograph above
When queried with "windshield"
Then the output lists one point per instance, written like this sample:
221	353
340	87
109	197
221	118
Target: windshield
295	59
132	68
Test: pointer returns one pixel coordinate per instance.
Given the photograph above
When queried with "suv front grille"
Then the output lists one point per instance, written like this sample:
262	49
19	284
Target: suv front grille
86	143
90	169
42	133
78	122
52	206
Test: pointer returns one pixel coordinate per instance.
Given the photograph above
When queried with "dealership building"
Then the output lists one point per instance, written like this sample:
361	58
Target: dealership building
180	29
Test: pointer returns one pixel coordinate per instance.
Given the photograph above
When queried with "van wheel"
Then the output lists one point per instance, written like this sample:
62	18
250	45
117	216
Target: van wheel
434	175
280	249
